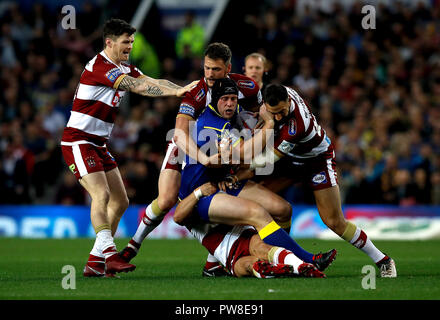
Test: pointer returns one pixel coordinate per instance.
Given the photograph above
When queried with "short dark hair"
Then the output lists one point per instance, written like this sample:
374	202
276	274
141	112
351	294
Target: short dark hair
274	94
113	28
218	50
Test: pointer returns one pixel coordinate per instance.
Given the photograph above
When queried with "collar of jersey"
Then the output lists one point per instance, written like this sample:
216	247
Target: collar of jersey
102	53
237	110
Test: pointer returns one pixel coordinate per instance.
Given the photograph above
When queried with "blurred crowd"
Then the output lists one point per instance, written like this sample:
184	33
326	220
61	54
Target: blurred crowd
376	92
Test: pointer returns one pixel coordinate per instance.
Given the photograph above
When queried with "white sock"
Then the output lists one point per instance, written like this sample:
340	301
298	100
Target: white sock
105	243
284	256
149	222
361	241
211	258
96	251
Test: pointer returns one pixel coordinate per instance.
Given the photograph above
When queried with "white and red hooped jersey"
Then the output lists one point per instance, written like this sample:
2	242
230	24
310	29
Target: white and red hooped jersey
96	101
223	241
300	136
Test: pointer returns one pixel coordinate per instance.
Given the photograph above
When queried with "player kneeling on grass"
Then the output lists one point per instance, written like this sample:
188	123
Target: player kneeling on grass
239	248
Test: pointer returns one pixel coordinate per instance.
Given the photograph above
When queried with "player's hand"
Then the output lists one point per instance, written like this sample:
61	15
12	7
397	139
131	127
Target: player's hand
225	150
180	92
230	182
266	115
221	158
214	161
208	189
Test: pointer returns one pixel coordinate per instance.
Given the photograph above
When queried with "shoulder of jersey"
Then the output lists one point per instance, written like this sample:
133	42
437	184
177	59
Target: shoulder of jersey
198	93
98	62
245	84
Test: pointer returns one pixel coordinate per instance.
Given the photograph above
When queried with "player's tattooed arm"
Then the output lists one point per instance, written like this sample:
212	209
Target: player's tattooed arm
151	87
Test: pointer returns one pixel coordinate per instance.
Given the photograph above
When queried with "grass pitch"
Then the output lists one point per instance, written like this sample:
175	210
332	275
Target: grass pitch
171	270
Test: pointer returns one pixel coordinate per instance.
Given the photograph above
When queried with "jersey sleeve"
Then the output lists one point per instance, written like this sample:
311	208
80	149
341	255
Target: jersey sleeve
134	72
98	72
193	103
288	135
187	108
252	98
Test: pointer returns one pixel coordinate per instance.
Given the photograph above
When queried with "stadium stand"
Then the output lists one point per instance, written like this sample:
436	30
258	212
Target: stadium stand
377	93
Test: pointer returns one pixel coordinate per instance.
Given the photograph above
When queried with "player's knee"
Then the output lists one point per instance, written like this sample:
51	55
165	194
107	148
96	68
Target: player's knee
101	195
335	223
124	203
166	202
256	214
282	211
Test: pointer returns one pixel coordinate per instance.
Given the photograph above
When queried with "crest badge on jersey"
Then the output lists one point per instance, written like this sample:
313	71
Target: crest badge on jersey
91	162
286	147
113	74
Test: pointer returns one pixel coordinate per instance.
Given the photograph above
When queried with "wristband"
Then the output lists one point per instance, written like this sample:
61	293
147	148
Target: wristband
198	193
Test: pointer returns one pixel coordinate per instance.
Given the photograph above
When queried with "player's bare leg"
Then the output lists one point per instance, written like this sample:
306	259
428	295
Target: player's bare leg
279	209
227	209
281	256
328	202
118	201
276	184
243	266
266	261
232	210
169	184
97	186
103	258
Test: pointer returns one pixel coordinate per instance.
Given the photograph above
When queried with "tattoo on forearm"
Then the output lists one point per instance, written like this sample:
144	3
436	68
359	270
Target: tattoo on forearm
149	87
153	91
169	84
128	83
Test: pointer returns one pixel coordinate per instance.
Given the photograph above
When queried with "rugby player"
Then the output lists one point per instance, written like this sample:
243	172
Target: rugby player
239	248
305	153
217	64
247	203
103	83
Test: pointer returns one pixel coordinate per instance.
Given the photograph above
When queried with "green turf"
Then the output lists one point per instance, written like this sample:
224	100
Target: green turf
171	270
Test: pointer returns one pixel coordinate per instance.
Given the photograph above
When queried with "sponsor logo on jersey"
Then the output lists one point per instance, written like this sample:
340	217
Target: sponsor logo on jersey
72	168
285	146
113	74
187	109
117	98
200	95
319	178
249	84
292	127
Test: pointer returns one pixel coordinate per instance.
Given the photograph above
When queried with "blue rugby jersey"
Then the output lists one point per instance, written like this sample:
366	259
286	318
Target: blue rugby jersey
209	129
